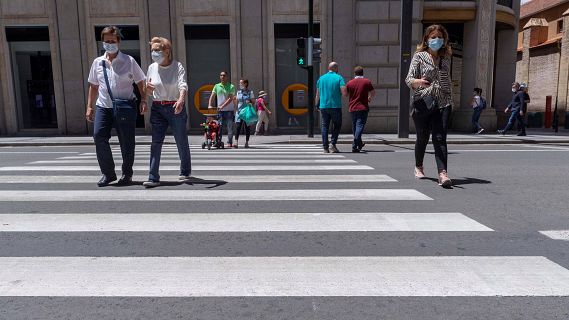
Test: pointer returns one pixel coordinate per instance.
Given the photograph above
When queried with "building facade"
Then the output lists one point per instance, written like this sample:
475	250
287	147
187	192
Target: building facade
47	46
543	59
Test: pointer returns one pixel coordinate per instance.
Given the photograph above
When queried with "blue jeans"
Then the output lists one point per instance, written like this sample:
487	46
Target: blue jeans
228	118
162	116
359	119
334	115
476	118
124	121
513	117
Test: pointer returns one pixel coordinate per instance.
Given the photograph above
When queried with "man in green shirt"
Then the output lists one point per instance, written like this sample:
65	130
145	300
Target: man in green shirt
224	92
330	89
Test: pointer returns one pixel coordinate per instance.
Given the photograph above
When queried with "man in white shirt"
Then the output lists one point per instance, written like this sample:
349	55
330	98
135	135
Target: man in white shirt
115	106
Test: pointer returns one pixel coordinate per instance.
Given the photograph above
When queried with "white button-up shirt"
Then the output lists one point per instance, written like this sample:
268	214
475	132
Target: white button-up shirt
122	73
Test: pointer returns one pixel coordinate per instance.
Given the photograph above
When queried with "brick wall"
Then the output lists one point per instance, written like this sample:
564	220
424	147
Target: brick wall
543	71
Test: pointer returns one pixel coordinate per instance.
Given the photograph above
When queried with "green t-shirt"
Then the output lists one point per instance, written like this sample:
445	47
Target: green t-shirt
329	90
222	92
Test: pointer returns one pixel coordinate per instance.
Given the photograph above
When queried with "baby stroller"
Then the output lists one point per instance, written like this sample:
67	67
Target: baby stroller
212	135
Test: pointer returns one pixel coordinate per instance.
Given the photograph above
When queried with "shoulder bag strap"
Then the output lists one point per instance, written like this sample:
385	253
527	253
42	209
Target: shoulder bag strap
107	80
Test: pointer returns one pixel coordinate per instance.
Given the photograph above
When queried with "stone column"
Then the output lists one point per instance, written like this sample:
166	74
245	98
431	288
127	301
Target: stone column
159	19
478	62
563	85
342	35
486	25
74	81
251	56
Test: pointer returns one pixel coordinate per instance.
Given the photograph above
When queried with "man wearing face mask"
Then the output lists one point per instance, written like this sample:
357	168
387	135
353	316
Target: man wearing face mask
110	90
167	86
517	106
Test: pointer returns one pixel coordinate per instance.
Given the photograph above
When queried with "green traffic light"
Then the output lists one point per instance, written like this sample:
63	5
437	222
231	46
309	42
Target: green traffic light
300	61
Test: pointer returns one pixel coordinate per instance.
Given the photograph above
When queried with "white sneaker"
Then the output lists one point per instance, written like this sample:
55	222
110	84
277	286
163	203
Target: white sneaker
480	131
151	184
182	178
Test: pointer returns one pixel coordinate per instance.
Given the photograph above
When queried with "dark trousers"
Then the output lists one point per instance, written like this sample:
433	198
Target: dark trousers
436	123
333	115
227	118
239	125
515	116
124	121
476	119
162	117
359	119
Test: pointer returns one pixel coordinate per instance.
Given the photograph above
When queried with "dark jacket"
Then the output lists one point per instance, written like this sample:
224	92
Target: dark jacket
518	101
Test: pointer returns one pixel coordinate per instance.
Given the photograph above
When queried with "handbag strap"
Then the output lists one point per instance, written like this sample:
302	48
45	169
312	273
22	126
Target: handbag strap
107	80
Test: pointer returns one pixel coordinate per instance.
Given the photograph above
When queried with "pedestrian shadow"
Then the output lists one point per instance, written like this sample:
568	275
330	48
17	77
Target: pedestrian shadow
457	183
192	181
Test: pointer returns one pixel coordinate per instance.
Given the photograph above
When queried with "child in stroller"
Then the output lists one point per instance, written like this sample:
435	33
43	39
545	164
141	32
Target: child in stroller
212	138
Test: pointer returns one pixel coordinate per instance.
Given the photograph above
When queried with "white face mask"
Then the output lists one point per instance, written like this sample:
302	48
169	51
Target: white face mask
157	56
514	90
242	87
111	48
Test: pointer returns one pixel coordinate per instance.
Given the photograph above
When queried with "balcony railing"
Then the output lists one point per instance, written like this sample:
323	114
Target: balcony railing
505	3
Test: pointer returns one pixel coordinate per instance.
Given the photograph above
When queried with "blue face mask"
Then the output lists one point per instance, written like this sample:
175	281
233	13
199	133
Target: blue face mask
158	56
436	44
111	48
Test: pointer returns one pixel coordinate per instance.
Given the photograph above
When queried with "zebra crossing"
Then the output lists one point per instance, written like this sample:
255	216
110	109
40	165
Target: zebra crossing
258	183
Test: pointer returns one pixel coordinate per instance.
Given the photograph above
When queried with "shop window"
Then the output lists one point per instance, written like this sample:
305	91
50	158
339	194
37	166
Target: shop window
33	77
208	53
291	80
560	26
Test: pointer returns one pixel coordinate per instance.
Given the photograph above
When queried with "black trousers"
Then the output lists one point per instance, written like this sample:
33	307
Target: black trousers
241	124
436	123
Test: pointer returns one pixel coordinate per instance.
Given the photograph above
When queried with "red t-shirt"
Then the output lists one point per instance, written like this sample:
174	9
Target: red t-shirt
358	90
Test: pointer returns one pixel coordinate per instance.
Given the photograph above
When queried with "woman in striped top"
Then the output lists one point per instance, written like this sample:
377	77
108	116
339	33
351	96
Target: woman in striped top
429	78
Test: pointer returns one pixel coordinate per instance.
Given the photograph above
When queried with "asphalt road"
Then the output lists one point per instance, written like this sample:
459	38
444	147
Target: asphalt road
270	257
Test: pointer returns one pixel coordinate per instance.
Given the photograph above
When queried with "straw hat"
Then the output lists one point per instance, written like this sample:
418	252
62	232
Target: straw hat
262	94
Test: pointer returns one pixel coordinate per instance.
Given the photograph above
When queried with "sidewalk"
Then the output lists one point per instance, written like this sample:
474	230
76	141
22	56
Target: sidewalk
534	136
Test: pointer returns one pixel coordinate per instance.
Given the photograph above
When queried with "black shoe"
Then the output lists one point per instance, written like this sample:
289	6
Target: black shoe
125	180
362	146
105	181
355	150
522	134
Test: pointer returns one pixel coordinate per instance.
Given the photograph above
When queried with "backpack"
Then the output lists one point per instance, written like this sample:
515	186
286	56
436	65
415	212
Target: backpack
483	103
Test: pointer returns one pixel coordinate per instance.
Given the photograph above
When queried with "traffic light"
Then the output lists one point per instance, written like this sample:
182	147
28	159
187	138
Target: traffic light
315	50
301	52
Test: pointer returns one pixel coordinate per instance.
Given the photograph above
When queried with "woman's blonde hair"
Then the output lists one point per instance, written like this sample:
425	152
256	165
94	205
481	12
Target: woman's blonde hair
164	44
445	50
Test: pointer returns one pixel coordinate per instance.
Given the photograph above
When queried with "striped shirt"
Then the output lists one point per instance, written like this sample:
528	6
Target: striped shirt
422	66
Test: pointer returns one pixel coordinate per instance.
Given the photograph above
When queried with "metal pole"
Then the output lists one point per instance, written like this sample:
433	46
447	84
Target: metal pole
310	70
406	30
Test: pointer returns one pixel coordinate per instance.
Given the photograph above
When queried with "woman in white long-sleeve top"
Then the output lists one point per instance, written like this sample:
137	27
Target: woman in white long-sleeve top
429	78
166	84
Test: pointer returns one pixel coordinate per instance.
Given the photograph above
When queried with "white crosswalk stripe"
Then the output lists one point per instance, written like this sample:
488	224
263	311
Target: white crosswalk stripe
307	178
218	195
252	180
281	276
238	222
208	161
196	168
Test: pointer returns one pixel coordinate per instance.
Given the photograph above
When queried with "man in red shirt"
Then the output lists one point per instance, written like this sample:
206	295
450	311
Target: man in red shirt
360	91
